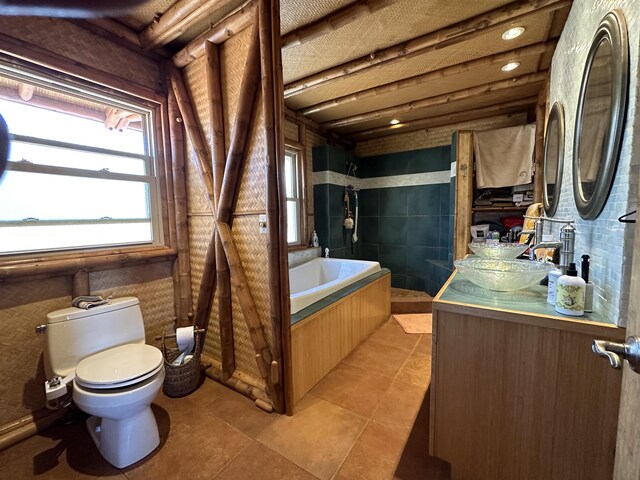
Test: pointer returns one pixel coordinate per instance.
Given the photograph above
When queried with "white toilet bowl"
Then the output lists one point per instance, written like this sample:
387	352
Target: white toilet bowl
117	387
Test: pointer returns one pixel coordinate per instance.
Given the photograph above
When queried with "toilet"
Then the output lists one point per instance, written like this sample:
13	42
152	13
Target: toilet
115	375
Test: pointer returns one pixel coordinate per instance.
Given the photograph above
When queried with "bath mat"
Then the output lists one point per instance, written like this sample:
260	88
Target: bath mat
414	322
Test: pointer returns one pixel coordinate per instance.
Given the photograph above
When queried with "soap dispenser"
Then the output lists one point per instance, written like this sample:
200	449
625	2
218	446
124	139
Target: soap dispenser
570	290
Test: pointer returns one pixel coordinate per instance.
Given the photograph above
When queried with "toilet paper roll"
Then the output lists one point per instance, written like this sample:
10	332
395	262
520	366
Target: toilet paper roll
185	339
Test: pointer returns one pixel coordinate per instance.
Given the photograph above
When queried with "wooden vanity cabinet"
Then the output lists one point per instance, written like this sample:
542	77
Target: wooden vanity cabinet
516	395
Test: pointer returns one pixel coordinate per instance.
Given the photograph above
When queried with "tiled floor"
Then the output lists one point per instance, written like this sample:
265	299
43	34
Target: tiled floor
367	419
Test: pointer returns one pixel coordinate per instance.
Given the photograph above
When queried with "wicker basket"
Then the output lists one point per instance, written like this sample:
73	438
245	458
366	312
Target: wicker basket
180	380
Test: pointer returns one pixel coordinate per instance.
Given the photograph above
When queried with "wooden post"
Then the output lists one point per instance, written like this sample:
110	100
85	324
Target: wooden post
241	129
207	288
538	182
223	275
464	194
81	284
274	225
185	302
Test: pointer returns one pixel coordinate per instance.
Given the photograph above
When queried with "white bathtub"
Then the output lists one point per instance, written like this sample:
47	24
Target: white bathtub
321	277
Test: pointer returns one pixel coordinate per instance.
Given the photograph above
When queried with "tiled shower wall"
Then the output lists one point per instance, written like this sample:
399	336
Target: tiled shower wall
404	212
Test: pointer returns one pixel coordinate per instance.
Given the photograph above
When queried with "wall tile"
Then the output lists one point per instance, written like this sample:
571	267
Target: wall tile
416	283
392	230
368	202
368	230
423	200
423	231
369	252
394	258
392	202
398	281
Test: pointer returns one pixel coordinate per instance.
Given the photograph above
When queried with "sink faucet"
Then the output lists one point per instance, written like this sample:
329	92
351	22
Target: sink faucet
566	244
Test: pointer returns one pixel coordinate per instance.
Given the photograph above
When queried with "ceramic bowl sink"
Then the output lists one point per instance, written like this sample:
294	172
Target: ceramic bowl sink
498	250
503	275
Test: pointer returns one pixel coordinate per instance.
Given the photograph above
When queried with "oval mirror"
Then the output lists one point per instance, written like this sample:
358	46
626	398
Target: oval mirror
600	116
553	159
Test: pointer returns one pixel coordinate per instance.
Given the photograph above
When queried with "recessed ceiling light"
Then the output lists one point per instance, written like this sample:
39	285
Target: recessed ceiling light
510	66
395	121
512	33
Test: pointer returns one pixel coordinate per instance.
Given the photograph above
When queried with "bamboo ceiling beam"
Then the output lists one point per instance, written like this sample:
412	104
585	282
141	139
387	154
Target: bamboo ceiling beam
25	91
333	21
176	20
448	119
117	29
223	274
444	99
452	35
235	22
241	130
194	132
511	55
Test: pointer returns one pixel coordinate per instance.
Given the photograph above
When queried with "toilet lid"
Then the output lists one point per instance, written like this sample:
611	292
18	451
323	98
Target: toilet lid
119	366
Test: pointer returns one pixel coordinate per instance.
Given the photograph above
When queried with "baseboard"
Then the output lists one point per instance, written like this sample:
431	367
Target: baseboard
29	425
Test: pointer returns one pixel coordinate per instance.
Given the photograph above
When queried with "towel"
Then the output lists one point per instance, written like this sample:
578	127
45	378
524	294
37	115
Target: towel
88	301
504	157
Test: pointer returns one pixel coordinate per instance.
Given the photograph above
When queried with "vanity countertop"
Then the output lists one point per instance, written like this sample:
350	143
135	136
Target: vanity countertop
524	306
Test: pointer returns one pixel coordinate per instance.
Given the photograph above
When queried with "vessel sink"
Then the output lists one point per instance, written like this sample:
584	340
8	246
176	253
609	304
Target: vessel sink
498	250
503	275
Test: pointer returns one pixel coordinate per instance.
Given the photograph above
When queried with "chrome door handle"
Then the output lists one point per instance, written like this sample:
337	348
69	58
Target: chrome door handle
617	352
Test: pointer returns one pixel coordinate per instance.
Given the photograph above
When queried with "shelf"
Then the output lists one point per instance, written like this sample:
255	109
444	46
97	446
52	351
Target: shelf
499	209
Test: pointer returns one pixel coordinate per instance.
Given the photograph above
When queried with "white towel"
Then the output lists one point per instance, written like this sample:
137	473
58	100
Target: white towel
504	157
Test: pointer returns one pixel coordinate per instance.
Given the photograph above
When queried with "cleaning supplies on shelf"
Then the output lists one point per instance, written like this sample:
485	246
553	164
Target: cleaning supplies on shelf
570	290
552	284
588	292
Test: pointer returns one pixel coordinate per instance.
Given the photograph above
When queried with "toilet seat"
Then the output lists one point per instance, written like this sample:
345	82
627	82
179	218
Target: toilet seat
119	367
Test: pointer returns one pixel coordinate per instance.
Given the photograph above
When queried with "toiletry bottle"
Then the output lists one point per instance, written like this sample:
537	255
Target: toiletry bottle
588	292
314	239
551	286
570	293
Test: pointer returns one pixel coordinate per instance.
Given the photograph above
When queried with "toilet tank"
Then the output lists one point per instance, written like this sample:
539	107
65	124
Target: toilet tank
74	333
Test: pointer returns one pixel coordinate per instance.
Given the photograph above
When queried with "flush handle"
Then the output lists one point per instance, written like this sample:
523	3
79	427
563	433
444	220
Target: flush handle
617	352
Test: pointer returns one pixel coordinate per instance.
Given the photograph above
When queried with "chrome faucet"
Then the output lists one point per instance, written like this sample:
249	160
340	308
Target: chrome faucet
566	244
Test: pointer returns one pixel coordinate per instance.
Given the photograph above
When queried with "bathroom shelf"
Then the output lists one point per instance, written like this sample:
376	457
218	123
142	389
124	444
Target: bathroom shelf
499	209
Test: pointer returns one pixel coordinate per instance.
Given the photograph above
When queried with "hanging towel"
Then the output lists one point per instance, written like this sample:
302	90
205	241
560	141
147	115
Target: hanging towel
88	301
504	157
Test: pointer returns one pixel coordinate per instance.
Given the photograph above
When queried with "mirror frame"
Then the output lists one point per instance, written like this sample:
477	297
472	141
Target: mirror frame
614	28
556	113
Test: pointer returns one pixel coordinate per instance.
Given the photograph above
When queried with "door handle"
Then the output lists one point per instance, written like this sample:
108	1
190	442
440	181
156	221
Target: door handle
617	352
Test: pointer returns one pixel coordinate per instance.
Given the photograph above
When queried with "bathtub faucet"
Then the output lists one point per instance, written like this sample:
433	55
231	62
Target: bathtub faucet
326	253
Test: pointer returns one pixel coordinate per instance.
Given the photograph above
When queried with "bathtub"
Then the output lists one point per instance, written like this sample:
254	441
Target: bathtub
321	277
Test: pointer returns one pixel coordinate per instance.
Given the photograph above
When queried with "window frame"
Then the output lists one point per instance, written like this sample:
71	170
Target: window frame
154	105
300	199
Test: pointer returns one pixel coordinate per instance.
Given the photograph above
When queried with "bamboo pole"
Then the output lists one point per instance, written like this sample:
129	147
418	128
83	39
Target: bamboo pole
444	99
25	91
80	284
176	20
273	205
223	275
180	200
249	311
117	29
207	289
511	55
241	130
448	119
235	22
452	35
333	21
538	184
193	129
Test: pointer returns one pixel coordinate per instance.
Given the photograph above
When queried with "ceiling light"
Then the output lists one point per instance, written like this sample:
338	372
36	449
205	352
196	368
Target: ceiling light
512	33
395	121
510	66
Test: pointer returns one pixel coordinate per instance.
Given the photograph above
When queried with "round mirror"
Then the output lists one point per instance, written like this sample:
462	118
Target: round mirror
600	116
553	158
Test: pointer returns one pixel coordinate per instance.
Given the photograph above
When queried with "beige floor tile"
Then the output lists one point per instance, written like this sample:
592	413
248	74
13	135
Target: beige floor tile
416	370
208	391
400	406
424	345
240	412
194	445
62	452
353	388
378	357
257	461
375	454
317	437
391	333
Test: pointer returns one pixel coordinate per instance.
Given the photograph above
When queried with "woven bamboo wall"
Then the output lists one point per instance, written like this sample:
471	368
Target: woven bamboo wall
434	137
252	246
23	305
76	43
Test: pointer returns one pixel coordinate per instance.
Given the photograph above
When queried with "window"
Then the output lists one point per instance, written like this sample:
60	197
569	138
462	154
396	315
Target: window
82	172
294	188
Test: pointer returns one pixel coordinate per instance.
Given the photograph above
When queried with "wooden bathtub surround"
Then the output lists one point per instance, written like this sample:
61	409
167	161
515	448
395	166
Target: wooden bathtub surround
322	340
521	395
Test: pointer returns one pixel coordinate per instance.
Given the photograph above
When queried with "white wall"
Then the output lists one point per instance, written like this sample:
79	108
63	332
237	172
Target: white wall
607	241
